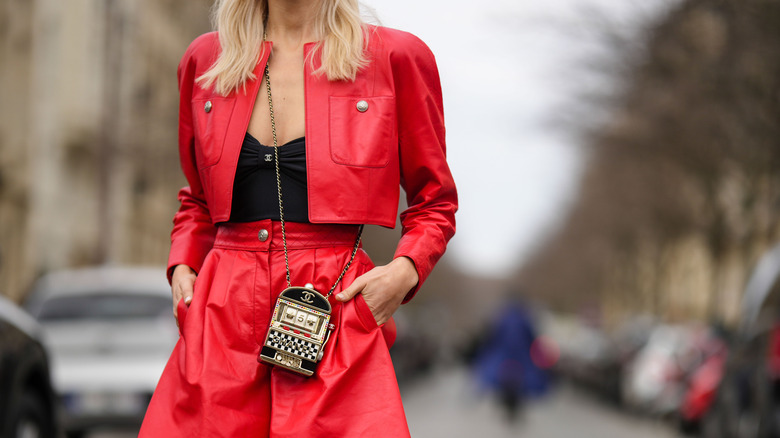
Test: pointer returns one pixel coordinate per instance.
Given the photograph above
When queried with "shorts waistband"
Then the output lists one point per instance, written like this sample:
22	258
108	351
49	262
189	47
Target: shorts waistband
266	235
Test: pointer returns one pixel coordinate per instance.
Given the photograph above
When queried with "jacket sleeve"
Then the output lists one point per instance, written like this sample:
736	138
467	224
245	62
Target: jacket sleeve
429	221
193	231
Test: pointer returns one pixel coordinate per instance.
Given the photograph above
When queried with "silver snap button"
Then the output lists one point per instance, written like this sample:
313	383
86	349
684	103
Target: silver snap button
362	106
263	235
208	106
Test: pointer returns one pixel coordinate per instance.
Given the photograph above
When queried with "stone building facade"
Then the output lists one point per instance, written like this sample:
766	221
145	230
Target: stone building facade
88	158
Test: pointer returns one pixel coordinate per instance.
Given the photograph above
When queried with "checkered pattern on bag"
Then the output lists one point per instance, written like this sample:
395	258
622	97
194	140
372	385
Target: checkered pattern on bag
294	345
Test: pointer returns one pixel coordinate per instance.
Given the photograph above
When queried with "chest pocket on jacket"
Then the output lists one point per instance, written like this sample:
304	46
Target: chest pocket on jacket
210	118
362	130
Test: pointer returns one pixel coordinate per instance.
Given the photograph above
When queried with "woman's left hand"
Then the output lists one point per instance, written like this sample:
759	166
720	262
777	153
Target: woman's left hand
383	287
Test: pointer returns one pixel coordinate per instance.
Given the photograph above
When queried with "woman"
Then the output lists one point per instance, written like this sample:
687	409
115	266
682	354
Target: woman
353	111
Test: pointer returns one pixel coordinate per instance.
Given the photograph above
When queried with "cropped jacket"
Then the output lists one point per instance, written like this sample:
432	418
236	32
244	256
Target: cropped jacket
357	158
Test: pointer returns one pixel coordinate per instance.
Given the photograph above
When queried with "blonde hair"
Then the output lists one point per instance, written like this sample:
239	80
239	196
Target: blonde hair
338	26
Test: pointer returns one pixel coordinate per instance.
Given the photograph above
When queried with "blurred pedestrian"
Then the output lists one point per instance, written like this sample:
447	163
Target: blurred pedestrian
505	364
297	123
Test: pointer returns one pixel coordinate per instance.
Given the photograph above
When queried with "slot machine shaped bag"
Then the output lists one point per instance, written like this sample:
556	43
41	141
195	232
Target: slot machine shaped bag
300	328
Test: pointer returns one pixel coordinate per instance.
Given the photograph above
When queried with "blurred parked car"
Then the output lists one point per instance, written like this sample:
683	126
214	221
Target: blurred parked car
655	382
596	359
703	385
583	348
110	332
27	405
747	403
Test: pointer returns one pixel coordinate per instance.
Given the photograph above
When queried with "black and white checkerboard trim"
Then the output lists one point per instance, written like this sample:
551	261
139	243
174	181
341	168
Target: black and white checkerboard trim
291	344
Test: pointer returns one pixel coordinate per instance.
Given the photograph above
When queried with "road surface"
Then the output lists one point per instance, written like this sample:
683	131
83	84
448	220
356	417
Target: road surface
446	405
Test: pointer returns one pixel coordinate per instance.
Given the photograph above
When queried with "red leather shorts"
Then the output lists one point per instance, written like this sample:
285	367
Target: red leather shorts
213	385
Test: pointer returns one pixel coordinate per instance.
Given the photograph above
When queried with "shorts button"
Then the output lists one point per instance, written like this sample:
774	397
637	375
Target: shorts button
263	235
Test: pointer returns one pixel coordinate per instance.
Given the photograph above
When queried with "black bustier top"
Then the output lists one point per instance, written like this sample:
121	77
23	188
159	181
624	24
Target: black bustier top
254	188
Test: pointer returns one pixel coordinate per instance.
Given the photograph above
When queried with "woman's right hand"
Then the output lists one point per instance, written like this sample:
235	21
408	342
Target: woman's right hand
182	286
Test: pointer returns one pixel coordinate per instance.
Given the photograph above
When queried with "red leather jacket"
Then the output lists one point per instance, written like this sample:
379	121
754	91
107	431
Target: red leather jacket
355	160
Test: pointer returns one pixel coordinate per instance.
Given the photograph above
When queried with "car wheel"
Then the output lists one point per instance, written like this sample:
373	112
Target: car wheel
31	418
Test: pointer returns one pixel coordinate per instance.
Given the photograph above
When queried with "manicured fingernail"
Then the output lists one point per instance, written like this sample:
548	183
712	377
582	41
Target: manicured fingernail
187	300
341	296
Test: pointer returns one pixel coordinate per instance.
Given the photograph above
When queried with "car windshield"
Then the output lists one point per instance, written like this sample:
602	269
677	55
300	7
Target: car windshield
104	306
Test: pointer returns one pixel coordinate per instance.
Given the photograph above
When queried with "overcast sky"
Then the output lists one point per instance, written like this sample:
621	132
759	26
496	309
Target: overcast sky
509	68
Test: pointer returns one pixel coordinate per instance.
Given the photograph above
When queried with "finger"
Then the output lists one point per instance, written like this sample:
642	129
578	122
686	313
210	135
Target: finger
350	292
176	314
176	299
186	292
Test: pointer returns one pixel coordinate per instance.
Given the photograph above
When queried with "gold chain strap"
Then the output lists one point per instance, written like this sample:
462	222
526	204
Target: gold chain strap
279	192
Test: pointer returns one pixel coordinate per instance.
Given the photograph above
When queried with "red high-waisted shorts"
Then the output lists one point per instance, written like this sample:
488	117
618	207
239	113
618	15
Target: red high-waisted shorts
213	385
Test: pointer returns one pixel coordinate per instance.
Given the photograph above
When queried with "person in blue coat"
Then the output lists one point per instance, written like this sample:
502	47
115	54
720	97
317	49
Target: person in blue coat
504	363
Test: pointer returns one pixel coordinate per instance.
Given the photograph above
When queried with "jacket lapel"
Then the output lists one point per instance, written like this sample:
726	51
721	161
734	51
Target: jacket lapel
239	121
